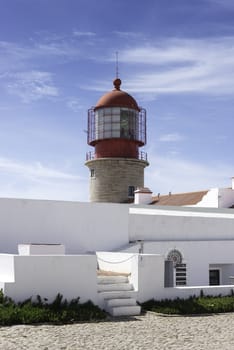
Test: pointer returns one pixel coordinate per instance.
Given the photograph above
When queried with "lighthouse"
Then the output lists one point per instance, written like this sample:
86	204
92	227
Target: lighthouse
117	131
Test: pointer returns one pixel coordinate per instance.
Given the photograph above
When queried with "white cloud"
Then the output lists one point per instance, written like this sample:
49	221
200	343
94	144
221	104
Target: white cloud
171	137
85	34
174	174
32	85
34	180
228	4
129	35
183	66
174	50
74	104
35	170
15	56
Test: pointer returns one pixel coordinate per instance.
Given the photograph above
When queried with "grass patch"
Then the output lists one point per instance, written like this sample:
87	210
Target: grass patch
60	311
192	305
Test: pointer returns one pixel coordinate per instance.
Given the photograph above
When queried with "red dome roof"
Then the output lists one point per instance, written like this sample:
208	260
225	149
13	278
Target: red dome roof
117	98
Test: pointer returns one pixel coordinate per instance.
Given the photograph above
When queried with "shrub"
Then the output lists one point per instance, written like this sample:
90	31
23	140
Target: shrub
192	305
60	311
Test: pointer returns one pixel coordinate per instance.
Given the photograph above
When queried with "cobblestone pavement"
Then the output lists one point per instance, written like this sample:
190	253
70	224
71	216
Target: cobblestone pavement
150	331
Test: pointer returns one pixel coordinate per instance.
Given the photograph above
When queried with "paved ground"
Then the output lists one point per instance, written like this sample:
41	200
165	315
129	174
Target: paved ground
144	332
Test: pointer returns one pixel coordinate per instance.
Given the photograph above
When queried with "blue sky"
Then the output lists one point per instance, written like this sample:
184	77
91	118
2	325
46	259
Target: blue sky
57	57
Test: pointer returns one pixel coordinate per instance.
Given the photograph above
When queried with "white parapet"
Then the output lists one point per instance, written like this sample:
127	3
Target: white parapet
41	249
26	276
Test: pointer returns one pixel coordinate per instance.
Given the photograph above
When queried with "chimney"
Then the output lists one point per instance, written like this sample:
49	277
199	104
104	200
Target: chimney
143	196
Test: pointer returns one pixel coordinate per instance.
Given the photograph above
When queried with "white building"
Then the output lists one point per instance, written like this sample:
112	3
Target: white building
116	254
137	240
212	198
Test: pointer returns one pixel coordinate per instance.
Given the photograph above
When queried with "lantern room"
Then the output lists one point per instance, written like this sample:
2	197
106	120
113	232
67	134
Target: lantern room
116	125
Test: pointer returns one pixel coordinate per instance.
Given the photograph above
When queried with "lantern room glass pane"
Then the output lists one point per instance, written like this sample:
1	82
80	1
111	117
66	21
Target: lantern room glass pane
128	123
115	110
107	111
116	122
116	118
115	133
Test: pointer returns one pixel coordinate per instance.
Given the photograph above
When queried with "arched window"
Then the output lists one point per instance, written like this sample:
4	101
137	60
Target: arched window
180	268
175	256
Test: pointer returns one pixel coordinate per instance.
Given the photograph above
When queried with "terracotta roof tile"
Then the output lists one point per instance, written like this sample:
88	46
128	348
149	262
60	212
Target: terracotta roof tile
180	199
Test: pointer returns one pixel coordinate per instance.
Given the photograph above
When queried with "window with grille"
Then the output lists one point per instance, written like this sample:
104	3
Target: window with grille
180	275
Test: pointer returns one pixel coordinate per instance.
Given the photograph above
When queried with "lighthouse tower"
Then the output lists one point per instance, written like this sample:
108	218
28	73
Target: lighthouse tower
116	130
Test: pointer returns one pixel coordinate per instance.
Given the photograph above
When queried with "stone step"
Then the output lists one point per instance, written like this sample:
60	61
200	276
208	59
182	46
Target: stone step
120	302
118	294
112	279
114	287
125	310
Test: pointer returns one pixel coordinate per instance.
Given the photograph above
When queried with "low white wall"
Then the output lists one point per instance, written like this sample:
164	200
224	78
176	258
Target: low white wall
7	273
41	249
72	276
186	292
75	276
81	227
176	224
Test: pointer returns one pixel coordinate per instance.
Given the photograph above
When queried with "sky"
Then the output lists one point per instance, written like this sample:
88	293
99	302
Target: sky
58	57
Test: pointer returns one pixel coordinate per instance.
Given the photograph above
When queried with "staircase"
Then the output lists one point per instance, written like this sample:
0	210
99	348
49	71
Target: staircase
118	295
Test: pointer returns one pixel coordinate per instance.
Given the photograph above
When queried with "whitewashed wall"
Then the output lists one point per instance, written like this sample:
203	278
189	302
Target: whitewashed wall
115	261
210	200
120	262
7	271
72	276
75	276
198	256
147	272
151	282
226	197
150	276
81	227
217	198
176	224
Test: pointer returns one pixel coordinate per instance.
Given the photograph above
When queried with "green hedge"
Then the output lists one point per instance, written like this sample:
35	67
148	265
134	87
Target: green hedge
60	311
192	305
